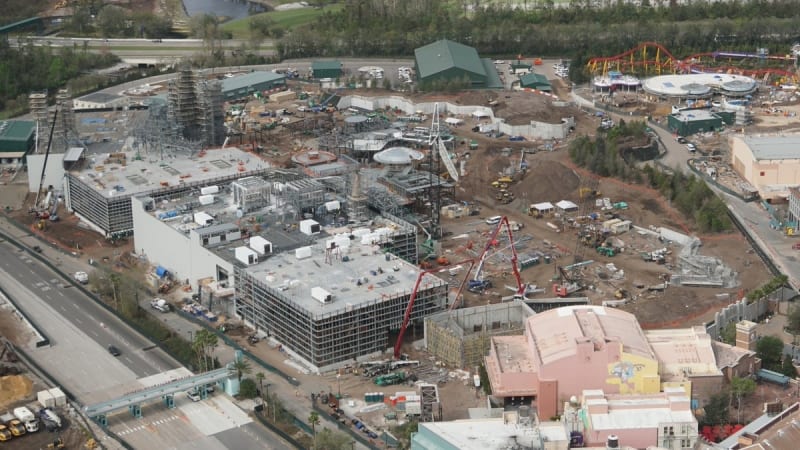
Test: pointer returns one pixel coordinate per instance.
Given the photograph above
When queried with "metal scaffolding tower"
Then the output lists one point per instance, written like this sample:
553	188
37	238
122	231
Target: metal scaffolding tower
183	104
65	124
37	103
211	113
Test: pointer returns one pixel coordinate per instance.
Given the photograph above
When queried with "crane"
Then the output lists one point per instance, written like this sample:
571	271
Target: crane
413	296
478	284
46	155
504	223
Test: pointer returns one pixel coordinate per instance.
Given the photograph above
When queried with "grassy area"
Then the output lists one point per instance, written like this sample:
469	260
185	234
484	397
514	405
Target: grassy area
287	20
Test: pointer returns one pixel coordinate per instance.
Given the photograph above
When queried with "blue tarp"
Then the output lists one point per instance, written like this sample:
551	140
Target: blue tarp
161	272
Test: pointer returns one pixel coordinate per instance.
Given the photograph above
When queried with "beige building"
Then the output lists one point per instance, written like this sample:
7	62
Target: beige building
771	164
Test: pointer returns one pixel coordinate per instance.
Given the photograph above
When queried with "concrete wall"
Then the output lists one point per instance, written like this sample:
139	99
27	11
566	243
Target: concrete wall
534	130
736	312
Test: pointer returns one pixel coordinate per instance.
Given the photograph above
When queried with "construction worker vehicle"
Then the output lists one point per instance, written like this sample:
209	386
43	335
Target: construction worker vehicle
589	193
606	251
16	427
390	379
5	433
479	286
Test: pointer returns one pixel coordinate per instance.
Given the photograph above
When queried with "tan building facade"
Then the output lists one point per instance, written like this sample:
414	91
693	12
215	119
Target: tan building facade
771	164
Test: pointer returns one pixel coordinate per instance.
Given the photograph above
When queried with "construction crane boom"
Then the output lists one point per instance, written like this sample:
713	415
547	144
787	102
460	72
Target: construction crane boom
46	155
413	297
504	223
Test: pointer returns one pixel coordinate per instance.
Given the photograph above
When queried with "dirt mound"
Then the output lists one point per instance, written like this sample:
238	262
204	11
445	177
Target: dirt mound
547	181
14	388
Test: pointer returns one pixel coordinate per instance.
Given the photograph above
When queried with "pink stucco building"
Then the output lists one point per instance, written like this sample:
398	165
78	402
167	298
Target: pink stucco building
567	350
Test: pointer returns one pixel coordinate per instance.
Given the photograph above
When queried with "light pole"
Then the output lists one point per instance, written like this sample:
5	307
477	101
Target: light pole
339	385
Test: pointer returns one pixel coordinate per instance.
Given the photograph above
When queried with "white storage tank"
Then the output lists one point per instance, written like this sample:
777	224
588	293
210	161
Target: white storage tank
45	398
246	255
260	245
302	253
321	295
206	200
310	227
209	190
58	396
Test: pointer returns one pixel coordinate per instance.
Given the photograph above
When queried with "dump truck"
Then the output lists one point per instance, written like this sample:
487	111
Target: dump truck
50	418
26	417
391	378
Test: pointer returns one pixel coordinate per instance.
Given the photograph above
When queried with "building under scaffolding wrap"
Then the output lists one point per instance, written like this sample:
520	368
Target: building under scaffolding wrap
461	338
335	301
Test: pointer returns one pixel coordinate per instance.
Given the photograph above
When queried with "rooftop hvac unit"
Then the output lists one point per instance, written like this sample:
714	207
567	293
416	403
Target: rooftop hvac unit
246	256
206	200
321	295
203	218
209	190
310	227
333	206
302	253
260	245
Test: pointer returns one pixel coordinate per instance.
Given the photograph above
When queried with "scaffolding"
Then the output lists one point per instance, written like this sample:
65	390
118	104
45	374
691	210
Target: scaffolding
64	123
37	103
250	193
461	338
211	113
183	104
336	338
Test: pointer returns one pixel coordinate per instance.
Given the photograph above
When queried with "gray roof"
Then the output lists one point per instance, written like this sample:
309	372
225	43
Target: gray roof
774	147
99	97
326	65
250	79
442	55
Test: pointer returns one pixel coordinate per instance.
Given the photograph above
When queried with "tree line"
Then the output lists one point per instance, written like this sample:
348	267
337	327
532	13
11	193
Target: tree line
687	193
44	68
381	28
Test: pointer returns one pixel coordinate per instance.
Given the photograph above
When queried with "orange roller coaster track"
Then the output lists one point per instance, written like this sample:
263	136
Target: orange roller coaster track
652	58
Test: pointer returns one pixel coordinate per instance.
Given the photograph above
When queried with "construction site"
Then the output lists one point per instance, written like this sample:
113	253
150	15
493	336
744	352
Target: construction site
377	251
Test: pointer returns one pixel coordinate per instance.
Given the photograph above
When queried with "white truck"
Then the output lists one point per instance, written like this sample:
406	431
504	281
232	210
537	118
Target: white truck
28	418
81	277
159	304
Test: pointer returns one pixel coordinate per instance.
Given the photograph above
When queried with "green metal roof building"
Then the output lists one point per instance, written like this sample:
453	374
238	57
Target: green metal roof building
326	69
535	81
688	122
243	85
447	60
16	136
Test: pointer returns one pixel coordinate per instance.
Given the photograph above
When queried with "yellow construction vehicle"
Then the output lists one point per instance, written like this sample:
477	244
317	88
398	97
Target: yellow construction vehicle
91	444
5	434
589	193
16	427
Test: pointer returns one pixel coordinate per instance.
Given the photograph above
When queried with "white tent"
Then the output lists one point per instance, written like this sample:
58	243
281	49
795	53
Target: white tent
567	206
480	113
543	207
453	121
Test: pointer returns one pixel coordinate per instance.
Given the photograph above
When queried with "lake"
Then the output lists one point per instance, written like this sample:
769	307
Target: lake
233	9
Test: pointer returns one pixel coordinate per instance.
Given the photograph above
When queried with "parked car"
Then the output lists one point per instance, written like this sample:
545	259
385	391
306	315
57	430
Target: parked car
114	350
682	140
691	147
193	395
516	138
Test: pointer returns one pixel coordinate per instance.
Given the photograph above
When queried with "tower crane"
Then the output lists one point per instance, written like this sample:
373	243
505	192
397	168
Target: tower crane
503	224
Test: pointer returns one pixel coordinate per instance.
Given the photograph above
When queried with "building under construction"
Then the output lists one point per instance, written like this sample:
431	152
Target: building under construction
335	301
100	190
195	108
461	338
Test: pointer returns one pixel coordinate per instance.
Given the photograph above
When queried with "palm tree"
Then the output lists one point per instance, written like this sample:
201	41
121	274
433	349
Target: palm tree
242	367
313	420
260	377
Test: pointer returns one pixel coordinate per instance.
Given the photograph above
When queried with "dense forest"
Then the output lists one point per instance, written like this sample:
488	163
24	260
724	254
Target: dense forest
689	194
396	28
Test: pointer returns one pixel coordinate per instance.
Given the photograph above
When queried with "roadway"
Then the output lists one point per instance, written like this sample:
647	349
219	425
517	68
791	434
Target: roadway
80	330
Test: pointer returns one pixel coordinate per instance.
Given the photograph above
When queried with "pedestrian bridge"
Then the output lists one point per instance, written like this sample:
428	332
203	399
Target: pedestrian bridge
165	391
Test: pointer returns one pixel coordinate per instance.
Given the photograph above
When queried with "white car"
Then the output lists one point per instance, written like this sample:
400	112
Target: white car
494	220
499	61
193	395
81	277
691	147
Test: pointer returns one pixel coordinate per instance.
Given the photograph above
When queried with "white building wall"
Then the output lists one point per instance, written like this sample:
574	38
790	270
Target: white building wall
54	172
159	242
183	255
